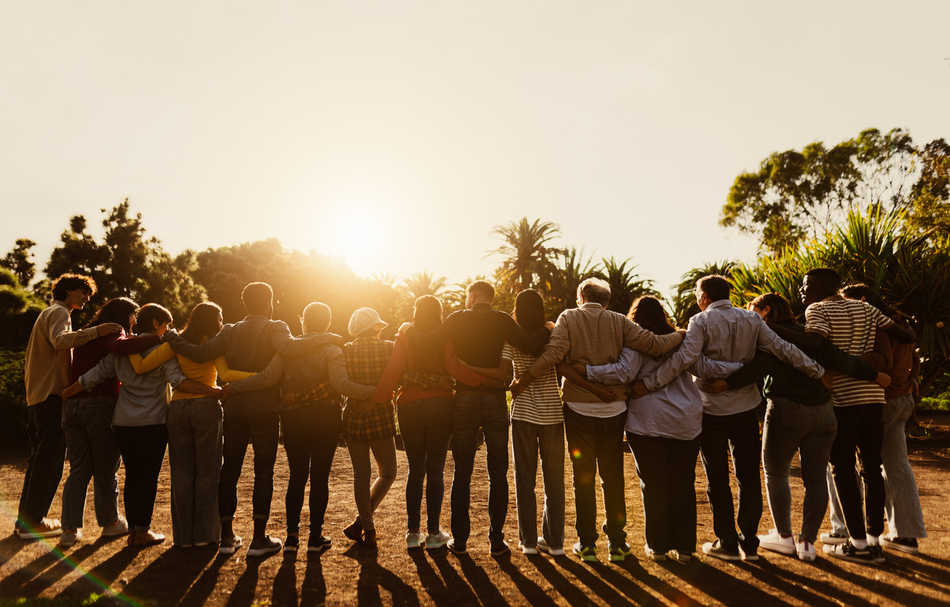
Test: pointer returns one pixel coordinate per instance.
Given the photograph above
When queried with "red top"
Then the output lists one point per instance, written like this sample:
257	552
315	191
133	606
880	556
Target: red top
401	362
88	355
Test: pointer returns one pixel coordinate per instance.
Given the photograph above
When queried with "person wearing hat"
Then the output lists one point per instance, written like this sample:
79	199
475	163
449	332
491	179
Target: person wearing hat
368	425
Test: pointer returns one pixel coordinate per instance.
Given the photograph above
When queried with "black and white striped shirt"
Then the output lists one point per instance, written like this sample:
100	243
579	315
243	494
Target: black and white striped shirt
540	403
851	325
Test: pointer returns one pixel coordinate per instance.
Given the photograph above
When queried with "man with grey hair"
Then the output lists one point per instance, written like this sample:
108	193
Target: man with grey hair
593	335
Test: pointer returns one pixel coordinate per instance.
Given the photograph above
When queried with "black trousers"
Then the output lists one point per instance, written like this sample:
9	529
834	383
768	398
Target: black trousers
311	433
861	429
249	420
596	445
667	471
737	434
426	426
44	468
143	451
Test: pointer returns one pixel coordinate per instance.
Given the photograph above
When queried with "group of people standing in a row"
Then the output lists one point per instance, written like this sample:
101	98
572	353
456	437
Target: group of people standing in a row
128	385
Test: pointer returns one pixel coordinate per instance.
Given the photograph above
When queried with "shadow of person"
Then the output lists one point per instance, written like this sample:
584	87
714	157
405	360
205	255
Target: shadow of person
168	578
461	593
10	545
874	584
532	592
374	576
200	591
102	576
803	586
285	582
484	588
246	586
919	567
567	589
627	585
720	585
602	589
67	563
313	592
12	584
438	591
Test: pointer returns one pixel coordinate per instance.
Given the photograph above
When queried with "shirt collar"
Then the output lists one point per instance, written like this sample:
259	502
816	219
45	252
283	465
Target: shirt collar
719	303
481	307
590	305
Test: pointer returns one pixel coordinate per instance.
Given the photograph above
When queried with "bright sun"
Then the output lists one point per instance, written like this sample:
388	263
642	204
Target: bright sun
359	236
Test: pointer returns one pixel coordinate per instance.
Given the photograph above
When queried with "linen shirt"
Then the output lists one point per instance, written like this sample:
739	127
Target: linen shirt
725	333
673	411
49	352
593	335
143	399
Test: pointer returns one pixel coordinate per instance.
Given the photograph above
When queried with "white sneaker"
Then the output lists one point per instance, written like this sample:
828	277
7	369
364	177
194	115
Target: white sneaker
414	540
437	540
48	527
119	527
806	551
652	554
834	538
70	537
776	543
528	550
552	551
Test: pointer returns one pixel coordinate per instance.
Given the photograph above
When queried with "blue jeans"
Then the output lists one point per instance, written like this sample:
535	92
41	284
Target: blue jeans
485	411
93	454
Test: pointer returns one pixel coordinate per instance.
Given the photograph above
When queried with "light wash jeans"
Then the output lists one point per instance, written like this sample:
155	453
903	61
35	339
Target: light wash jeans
901	498
527	441
93	454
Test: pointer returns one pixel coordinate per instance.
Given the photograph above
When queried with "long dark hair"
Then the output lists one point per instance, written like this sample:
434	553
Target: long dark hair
529	310
425	339
779	308
117	310
202	322
148	314
648	312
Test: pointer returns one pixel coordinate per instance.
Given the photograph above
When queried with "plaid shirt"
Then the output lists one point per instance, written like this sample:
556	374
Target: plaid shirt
366	359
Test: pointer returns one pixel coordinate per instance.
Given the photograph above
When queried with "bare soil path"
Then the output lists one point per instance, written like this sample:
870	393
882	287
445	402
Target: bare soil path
348	575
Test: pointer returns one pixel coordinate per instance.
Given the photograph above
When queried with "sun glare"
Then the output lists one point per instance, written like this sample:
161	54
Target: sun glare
360	237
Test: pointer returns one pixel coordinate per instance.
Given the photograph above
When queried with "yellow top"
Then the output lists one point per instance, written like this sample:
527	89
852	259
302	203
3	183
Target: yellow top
206	373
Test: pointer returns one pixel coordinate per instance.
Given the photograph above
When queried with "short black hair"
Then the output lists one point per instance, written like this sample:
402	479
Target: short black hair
483	288
715	286
857	291
257	297
71	282
148	314
827	280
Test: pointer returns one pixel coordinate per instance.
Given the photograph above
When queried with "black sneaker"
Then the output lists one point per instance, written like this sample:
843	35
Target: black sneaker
500	548
291	543
717	550
263	546
318	545
876	552
904	544
849	552
456	547
354	531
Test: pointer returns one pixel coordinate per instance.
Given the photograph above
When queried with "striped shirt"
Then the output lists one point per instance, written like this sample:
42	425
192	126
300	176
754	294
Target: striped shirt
540	403
851	325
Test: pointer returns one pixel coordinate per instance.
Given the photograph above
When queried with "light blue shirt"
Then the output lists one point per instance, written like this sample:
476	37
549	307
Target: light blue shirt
142	398
726	333
675	410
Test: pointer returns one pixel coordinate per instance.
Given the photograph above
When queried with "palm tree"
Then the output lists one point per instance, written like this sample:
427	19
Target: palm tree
572	267
684	304
528	256
424	283
625	284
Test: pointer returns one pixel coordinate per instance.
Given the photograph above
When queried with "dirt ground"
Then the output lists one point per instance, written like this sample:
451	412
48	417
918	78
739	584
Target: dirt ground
347	575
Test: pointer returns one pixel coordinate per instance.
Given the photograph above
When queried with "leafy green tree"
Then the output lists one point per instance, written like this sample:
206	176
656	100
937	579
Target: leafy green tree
625	284
527	254
20	261
910	271
796	195
571	268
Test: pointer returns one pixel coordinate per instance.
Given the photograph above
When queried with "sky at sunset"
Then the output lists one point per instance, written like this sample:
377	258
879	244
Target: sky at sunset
397	134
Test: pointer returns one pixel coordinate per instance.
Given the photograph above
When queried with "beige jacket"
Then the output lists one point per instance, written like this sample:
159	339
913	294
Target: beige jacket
49	352
594	335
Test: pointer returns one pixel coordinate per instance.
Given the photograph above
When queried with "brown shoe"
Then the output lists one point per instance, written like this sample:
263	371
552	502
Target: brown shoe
140	538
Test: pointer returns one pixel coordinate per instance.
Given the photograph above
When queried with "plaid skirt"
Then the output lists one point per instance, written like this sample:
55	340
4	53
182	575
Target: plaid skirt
368	421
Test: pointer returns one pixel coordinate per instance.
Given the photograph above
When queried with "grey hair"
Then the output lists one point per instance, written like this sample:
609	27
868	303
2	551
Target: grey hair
594	290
